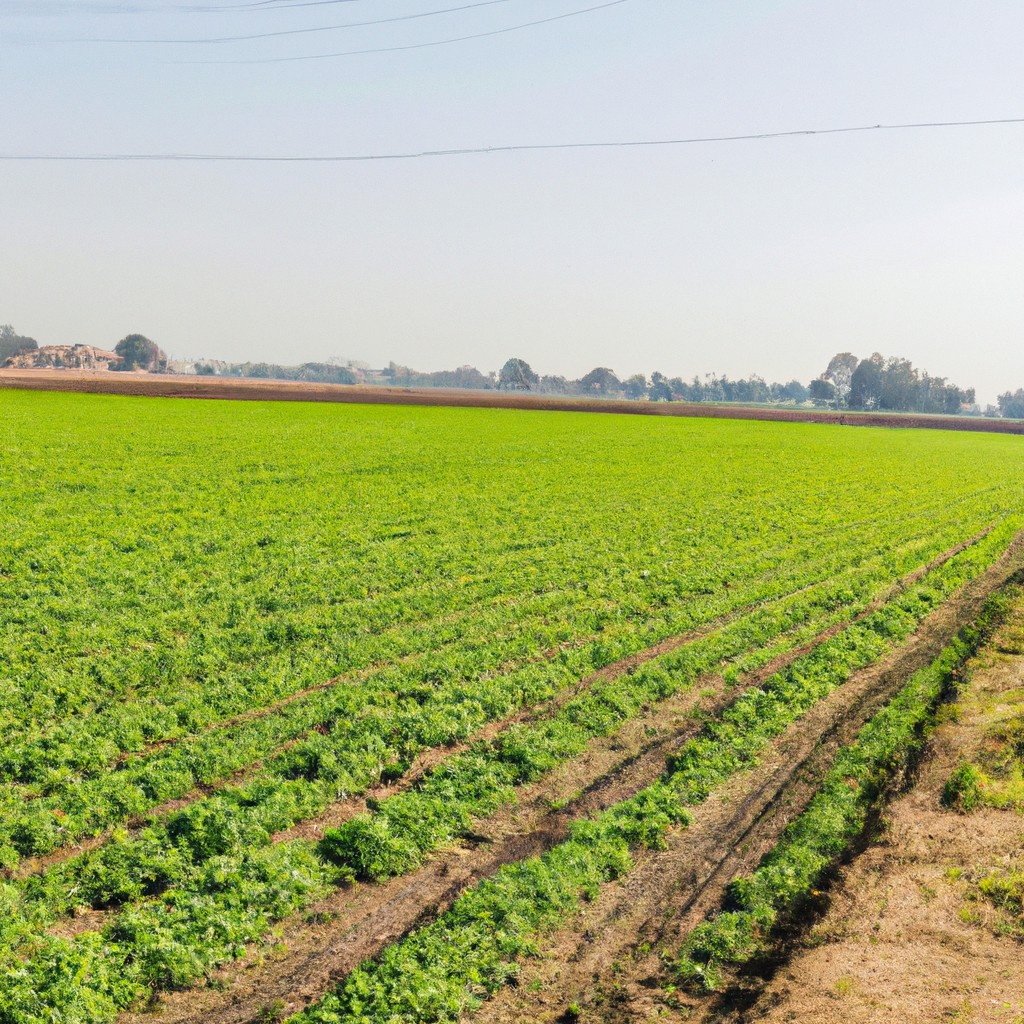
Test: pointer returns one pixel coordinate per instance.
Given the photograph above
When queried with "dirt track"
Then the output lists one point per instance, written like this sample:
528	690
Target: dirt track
167	386
905	938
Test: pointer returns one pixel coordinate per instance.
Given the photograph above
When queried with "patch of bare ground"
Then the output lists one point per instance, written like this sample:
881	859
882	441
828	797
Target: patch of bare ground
314	950
606	965
901	940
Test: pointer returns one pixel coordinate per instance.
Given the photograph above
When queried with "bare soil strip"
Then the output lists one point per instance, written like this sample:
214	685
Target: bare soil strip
320	947
901	942
165	386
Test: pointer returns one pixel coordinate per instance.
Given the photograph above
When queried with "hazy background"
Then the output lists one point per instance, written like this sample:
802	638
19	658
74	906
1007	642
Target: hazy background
740	257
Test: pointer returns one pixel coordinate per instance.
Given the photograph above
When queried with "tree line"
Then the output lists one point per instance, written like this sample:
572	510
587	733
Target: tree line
890	384
601	382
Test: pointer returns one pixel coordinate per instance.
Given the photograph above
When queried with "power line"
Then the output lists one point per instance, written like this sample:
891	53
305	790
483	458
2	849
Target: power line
303	31
477	150
413	46
274	5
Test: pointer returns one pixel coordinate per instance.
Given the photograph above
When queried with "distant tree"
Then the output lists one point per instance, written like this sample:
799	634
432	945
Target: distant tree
600	381
11	343
205	370
635	386
753	389
555	385
899	385
516	375
1011	404
957	398
318	373
660	389
840	372
713	389
822	392
866	383
794	391
139	353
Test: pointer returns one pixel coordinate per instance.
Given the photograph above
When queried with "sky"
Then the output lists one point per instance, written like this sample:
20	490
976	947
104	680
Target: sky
759	256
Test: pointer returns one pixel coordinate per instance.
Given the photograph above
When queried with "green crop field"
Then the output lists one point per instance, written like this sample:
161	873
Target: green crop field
257	656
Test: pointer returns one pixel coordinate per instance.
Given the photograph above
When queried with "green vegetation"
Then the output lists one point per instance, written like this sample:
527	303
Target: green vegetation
996	776
447	967
255	610
1004	889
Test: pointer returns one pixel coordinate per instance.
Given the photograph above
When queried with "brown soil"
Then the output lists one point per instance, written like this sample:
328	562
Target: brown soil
166	386
729	833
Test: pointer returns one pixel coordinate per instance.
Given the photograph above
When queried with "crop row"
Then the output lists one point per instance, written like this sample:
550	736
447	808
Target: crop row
390	717
50	753
301	781
232	581
232	900
447	967
180	588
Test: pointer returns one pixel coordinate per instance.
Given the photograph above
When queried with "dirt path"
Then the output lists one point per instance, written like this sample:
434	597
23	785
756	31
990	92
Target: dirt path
902	941
318	948
167	386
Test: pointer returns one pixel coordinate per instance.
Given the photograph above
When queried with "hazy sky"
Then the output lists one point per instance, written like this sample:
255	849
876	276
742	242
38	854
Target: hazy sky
735	257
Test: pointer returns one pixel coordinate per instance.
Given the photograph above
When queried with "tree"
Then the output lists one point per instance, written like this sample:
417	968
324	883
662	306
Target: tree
1011	404
840	372
660	390
794	391
516	375
822	392
600	381
899	385
554	384
866	383
636	386
139	353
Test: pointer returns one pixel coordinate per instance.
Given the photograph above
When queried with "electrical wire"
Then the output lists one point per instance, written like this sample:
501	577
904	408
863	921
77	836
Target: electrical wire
303	31
515	148
412	46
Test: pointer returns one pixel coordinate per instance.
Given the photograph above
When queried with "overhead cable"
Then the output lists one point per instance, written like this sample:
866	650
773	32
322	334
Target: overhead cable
412	46
482	150
303	31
